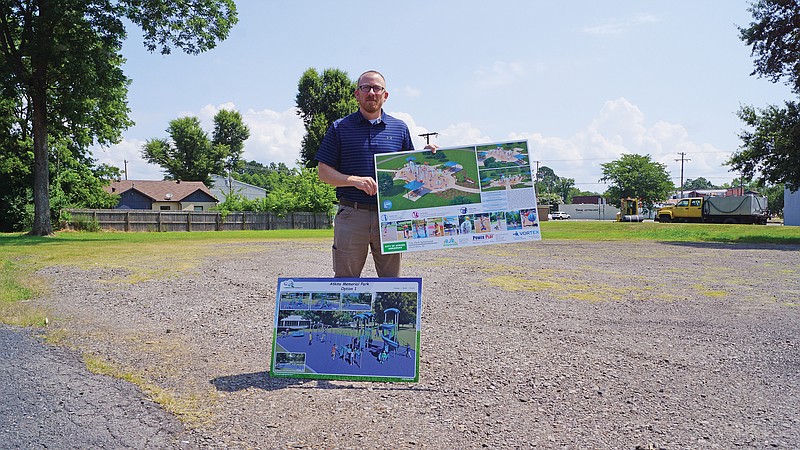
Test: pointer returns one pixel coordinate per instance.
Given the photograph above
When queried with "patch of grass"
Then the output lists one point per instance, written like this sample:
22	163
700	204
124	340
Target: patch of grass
11	287
713	293
669	232
187	409
138	256
22	314
515	283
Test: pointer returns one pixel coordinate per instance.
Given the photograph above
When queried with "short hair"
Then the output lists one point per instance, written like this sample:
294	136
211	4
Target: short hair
372	71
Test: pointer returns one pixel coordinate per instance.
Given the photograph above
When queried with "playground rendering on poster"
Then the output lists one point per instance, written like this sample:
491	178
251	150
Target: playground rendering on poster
352	329
456	197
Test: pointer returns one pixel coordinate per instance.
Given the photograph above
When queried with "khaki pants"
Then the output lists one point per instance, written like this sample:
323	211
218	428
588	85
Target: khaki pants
355	232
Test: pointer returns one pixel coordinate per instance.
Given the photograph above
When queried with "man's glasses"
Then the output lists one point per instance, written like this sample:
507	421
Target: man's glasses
376	89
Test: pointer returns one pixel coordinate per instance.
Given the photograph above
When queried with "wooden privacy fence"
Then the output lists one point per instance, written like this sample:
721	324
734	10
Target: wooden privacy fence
147	220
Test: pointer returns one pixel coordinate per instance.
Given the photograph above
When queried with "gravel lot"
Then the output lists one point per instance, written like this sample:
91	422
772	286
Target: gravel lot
553	344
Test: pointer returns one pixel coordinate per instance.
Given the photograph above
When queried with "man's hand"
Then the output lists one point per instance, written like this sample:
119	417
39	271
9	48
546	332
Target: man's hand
432	148
366	184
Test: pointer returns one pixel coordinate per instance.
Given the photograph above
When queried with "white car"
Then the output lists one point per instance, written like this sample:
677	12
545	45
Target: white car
559	215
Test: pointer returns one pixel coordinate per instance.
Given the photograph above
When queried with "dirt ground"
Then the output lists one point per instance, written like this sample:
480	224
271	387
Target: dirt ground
552	344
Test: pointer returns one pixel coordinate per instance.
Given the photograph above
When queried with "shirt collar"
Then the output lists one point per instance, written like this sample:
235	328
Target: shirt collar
380	119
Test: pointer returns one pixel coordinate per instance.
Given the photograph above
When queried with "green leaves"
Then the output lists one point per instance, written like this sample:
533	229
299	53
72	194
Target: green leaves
772	147
190	155
637	176
192	26
61	73
322	98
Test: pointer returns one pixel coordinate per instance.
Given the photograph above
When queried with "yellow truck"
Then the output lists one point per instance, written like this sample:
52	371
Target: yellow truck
736	209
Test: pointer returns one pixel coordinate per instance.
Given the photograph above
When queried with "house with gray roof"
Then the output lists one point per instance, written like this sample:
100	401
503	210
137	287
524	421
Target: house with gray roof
166	195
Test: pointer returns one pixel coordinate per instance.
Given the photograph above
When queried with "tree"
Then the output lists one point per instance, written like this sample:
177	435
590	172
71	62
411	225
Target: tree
775	41
771	148
637	176
564	187
191	155
697	183
60	65
321	99
230	131
550	198
546	180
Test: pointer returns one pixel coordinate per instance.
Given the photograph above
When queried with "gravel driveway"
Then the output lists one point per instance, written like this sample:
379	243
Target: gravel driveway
552	344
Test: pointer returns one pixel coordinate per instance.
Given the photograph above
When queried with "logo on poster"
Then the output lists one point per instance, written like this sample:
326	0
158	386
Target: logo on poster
526	233
482	237
387	204
450	242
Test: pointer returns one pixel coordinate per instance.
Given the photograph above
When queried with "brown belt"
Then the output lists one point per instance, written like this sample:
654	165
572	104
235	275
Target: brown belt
357	205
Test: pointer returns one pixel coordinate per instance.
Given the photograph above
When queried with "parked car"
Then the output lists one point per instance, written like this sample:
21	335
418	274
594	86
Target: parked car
559	215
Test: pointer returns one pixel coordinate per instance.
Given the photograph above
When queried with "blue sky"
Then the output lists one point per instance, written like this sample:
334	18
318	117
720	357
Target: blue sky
583	82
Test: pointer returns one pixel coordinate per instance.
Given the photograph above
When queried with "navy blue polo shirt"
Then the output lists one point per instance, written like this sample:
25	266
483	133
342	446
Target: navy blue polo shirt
351	142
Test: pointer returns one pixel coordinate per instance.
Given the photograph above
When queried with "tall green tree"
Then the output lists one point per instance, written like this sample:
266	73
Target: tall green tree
637	176
770	148
321	99
546	180
60	64
190	155
564	188
231	131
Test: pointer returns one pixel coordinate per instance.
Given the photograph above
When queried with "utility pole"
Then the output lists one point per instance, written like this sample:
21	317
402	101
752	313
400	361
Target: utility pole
126	168
427	136
683	158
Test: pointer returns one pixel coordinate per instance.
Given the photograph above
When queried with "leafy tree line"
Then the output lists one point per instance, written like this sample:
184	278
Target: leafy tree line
770	149
63	88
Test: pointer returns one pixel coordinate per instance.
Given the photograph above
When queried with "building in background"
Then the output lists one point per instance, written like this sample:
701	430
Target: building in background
162	195
222	187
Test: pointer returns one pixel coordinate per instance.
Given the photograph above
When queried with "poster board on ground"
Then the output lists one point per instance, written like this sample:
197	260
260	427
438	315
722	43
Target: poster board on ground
457	197
361	329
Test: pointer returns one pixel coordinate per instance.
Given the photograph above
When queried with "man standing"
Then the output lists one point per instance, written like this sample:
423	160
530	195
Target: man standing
346	161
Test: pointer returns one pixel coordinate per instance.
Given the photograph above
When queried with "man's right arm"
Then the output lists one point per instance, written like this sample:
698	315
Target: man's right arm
329	175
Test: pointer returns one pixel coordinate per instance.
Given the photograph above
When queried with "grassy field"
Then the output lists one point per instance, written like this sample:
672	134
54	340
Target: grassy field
142	254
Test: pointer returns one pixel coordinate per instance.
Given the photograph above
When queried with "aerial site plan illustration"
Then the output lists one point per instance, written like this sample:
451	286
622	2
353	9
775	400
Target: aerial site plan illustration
456	197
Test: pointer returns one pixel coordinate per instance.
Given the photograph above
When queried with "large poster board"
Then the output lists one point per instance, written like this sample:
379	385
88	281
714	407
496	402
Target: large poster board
457	197
362	329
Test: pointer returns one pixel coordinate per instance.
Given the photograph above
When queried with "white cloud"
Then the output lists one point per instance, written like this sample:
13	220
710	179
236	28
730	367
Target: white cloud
620	26
128	154
619	127
274	137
